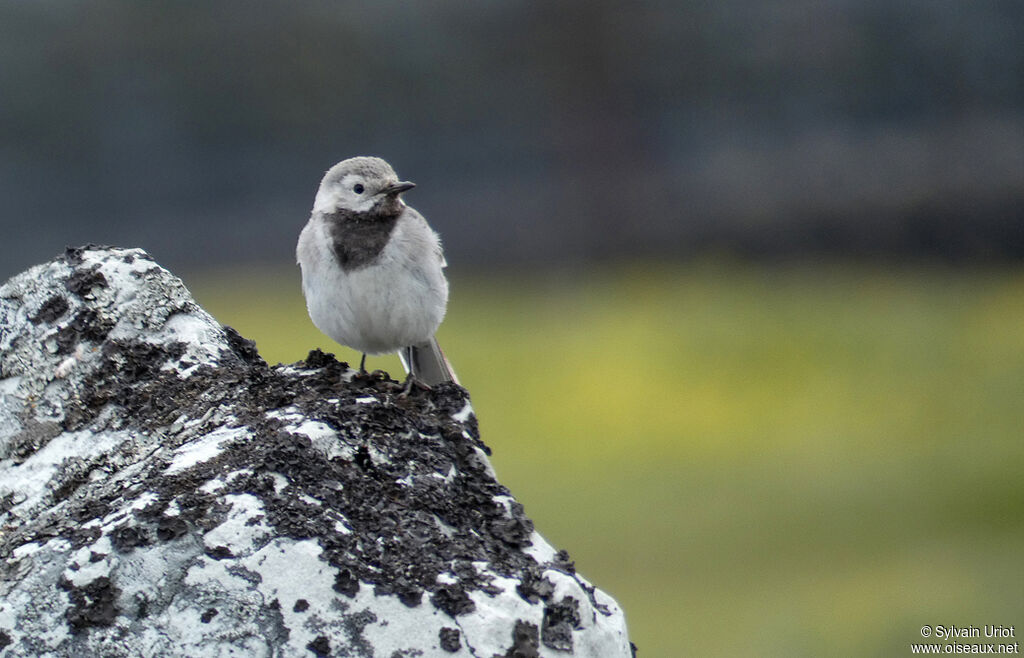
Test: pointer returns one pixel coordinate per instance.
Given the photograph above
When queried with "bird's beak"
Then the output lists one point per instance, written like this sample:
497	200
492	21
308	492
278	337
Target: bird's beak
397	188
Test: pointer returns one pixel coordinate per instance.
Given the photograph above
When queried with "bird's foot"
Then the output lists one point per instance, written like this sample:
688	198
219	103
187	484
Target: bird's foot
370	378
375	376
412	382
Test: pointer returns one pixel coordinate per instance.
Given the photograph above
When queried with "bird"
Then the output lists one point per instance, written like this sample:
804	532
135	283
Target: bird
373	270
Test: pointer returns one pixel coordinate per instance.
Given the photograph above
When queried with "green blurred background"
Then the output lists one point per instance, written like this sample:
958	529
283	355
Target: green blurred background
802	459
737	288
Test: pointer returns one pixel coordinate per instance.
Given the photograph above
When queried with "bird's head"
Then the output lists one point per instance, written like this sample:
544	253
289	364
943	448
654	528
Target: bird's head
361	185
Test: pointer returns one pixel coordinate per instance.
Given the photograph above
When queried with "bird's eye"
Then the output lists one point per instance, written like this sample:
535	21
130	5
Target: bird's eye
358	189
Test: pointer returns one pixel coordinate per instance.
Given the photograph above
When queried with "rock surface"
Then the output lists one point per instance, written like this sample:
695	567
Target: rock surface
164	492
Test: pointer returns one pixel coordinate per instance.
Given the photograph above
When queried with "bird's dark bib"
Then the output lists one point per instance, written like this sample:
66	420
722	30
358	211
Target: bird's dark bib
358	238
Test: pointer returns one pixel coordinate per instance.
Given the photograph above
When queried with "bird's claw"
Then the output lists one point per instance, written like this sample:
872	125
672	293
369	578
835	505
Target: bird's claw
410	383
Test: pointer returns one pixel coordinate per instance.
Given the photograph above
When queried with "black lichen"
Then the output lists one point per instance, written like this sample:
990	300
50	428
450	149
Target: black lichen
87	325
74	480
525	641
73	255
141	605
51	310
346	583
563	563
127	538
319	359
83	280
242	347
450	639
93	604
219	553
560	620
533	587
453	599
409	595
320	646
171	527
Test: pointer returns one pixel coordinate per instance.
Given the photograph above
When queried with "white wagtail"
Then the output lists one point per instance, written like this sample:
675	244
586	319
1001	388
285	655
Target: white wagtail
373	269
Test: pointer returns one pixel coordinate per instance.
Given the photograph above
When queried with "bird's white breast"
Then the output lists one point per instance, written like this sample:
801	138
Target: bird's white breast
397	301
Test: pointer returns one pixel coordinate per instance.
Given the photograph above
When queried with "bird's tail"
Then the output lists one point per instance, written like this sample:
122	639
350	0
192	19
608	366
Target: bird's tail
427	363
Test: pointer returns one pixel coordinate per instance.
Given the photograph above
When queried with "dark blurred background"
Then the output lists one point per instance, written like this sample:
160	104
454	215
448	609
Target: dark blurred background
568	130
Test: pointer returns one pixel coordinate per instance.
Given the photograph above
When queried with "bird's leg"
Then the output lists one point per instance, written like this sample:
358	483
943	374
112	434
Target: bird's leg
362	375
376	374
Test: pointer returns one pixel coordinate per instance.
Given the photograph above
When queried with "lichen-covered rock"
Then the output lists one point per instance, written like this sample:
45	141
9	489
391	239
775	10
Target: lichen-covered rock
164	492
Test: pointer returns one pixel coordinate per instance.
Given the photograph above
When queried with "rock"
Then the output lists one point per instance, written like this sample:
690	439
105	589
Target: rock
165	492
